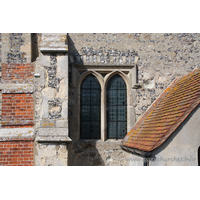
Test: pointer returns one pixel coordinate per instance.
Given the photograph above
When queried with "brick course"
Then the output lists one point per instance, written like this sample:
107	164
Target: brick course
17	107
16	153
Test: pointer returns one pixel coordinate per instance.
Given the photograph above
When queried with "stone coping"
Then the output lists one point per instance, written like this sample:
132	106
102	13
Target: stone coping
44	138
16	122
16	88
9	134
52	50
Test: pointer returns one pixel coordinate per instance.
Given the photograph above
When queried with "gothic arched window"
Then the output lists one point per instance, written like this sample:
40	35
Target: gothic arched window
116	108
90	108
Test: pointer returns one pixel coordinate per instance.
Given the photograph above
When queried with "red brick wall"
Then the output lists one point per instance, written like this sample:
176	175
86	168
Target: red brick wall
16	153
17	112
17	73
17	107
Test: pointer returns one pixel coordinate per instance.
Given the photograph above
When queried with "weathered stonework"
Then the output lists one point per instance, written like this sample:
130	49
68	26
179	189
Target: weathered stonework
97	153
163	56
16	48
38	65
47	154
14	56
160	58
55	108
103	56
16	135
51	100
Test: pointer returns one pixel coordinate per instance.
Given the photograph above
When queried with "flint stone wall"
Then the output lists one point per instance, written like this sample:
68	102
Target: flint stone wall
162	58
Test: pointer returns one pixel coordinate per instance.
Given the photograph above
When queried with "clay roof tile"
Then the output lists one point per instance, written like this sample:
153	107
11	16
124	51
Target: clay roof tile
165	114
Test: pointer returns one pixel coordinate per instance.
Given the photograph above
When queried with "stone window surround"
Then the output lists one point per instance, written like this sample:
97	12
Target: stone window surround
127	72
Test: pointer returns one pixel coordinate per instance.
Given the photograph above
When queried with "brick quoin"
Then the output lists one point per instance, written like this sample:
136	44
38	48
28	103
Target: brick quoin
17	73
16	153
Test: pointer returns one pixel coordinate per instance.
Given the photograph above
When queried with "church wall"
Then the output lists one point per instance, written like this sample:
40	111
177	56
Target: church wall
17	107
51	100
162	58
40	71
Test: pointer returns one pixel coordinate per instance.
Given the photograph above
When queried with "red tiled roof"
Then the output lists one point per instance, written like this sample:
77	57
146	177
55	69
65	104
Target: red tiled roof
165	114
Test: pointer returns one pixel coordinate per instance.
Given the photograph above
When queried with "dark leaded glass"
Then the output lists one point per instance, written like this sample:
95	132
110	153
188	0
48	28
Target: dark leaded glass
116	108
90	108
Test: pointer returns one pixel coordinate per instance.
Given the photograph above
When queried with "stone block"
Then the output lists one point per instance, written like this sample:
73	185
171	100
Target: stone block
149	84
16	88
64	112
45	150
60	162
63	89
48	93
62	67
53	138
44	108
47	123
61	123
17	133
53	131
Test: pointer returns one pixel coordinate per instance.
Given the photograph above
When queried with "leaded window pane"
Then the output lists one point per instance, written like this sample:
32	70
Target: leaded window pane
112	129
116	108
85	130
95	127
121	97
95	97
112	97
112	113
121	113
95	113
90	108
121	129
85	100
85	115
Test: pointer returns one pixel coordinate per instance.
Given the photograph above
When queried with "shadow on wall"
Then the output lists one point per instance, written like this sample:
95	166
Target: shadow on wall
84	153
74	56
34	47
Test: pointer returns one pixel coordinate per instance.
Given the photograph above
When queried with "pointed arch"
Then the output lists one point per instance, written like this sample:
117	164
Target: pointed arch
123	75
90	108
94	73
116	107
